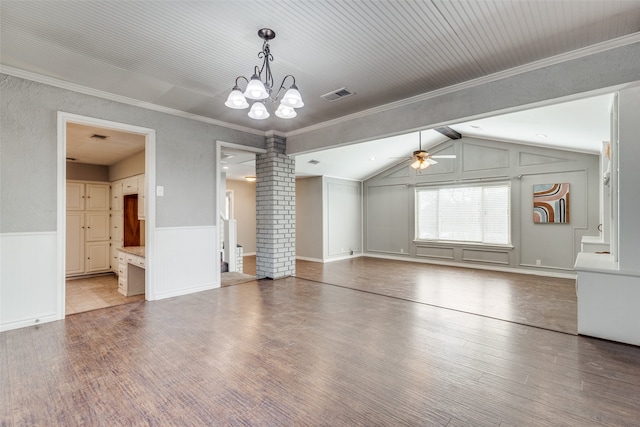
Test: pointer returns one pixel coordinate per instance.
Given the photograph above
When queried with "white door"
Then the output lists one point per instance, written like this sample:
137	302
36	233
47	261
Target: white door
75	243
98	254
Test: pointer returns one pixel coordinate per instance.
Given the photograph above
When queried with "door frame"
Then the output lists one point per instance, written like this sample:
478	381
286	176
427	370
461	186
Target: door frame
65	118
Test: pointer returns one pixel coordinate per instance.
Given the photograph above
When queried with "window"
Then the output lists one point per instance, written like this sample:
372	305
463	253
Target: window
475	214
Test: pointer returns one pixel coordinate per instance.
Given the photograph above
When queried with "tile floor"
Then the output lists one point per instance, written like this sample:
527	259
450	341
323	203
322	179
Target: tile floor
90	293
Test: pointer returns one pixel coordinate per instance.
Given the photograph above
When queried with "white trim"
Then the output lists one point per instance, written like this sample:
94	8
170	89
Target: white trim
304	258
51	81
150	179
332	259
477	266
29	322
28	282
244	254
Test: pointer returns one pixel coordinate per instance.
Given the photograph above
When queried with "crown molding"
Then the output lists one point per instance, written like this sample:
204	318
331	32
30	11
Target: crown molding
532	66
17	72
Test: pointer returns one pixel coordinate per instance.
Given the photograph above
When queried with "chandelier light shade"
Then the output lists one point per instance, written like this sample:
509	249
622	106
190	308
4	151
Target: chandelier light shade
258	111
260	88
236	99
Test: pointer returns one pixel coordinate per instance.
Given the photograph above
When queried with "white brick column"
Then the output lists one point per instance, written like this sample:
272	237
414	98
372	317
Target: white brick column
275	211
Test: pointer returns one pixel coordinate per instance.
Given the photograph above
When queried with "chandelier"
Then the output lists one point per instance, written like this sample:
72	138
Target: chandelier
260	88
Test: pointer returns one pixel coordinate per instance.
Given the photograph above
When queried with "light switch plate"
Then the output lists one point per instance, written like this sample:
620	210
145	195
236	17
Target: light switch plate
160	191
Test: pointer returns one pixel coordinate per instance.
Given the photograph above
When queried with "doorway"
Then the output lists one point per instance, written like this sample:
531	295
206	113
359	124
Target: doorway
237	208
96	166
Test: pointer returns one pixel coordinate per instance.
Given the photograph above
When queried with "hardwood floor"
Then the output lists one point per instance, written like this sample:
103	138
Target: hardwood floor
294	352
545	302
91	293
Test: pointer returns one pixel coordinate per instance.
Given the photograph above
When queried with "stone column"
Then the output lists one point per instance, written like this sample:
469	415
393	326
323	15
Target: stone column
275	211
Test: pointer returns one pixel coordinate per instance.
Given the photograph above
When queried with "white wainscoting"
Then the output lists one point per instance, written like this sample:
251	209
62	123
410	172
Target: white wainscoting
185	260
28	279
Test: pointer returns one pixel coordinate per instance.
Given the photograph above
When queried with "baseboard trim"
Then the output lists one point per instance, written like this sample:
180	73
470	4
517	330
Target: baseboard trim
478	266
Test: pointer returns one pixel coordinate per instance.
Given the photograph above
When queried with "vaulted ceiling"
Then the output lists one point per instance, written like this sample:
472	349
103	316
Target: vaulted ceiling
185	55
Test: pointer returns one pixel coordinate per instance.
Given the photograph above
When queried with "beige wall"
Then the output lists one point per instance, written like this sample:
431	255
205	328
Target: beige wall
132	165
85	172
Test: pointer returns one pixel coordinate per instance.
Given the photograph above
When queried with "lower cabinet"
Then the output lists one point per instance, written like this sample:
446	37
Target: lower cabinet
88	249
97	257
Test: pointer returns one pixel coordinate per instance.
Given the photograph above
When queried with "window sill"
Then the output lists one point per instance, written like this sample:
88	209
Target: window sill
450	243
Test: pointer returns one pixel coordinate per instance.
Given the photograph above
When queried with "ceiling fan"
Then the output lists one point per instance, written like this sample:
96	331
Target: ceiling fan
421	159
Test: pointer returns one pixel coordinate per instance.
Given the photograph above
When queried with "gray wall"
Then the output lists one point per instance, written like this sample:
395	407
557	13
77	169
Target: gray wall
185	155
244	198
85	172
309	213
389	204
342	217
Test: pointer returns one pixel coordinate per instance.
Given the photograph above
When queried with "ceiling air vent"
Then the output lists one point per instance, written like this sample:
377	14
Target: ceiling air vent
314	162
97	136
337	94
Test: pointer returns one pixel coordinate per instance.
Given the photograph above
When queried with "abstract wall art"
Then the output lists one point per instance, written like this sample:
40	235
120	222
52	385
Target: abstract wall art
551	203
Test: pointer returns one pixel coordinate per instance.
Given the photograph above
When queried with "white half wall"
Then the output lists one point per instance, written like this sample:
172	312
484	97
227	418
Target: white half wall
186	260
28	286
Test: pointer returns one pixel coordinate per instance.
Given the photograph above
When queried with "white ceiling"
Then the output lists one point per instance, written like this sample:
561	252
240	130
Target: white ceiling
186	55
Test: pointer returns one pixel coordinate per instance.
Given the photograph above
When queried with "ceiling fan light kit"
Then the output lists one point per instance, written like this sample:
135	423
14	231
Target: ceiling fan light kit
422	159
260	87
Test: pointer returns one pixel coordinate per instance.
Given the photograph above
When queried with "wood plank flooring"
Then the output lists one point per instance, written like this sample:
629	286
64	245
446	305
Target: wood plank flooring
293	352
545	302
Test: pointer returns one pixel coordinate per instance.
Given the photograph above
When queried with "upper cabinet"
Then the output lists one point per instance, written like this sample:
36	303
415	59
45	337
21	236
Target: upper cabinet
130	185
97	197
116	196
75	196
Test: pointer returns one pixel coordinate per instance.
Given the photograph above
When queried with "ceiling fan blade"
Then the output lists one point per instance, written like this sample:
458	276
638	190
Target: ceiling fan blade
444	156
431	161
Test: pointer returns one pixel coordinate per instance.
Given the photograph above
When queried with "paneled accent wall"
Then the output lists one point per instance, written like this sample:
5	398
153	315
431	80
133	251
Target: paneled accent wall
389	200
275	211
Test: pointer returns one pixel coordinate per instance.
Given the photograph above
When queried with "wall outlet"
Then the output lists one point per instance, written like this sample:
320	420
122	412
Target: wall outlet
401	250
537	262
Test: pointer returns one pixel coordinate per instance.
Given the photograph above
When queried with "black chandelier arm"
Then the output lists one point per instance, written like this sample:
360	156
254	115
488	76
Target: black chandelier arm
282	85
241	77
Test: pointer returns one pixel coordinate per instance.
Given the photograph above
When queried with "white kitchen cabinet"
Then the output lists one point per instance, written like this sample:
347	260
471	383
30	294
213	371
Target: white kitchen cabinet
97	226
75	243
141	197
97	197
116	196
88	227
130	185
97	256
75	196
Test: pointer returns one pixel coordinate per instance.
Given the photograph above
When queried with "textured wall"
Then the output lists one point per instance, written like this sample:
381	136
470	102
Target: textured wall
185	155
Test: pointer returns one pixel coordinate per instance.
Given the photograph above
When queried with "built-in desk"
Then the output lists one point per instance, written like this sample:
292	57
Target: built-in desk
131	270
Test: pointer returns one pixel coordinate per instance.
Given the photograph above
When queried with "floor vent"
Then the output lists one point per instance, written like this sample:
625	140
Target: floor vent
337	94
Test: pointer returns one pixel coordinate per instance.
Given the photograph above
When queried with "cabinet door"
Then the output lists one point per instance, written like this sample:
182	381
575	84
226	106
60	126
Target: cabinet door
130	185
97	254
117	226
141	198
97	226
113	261
97	197
116	196
75	243
75	196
